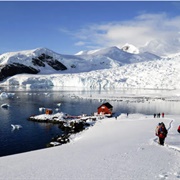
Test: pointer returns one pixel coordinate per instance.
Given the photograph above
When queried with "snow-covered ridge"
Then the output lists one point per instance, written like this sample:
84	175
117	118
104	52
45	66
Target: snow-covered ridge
119	55
87	52
162	47
107	68
41	60
91	57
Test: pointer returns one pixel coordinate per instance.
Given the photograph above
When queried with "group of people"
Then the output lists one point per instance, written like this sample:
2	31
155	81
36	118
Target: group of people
159	115
162	132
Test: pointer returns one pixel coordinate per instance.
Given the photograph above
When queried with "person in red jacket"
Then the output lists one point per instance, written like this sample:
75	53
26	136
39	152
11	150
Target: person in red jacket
162	115
162	133
178	129
157	128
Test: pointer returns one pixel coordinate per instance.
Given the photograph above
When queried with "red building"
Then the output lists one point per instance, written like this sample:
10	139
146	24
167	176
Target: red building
106	109
48	111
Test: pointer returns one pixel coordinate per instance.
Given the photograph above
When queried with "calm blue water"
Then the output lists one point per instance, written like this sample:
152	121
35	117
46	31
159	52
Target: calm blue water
35	135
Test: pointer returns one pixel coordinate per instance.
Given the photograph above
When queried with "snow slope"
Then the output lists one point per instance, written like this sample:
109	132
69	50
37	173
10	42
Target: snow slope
162	47
125	148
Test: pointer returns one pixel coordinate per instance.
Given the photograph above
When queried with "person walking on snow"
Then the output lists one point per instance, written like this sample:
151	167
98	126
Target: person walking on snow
157	129
162	133
178	129
162	115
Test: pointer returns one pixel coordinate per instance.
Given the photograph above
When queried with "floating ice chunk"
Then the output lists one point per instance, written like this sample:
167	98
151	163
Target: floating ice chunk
54	143
42	109
58	104
5	106
28	86
15	126
4	95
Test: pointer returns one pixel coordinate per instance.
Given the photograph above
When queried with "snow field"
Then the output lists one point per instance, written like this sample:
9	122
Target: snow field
125	148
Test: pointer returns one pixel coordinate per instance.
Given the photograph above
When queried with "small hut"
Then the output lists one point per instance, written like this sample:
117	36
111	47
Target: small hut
105	109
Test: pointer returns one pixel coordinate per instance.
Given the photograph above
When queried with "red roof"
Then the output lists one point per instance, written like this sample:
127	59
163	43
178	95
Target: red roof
109	106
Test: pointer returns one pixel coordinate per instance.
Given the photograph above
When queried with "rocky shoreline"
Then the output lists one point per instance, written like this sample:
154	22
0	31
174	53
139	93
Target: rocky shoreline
68	124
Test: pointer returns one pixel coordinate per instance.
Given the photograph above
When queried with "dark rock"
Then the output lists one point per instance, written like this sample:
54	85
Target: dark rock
78	127
15	68
55	64
38	62
43	58
41	61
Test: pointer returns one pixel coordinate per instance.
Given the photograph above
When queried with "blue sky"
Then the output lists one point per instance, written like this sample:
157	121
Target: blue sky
68	27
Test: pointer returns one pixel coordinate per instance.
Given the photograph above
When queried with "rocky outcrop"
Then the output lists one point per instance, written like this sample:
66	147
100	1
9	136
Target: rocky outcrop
72	128
15	68
44	59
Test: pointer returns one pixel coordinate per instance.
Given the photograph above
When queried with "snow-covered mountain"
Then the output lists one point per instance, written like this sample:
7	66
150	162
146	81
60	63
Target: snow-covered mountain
121	56
162	47
45	61
111	67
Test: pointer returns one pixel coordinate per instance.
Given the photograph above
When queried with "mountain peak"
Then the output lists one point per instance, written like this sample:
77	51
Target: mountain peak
130	48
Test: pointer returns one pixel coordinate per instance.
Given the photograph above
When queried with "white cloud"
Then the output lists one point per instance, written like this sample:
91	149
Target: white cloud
137	31
79	43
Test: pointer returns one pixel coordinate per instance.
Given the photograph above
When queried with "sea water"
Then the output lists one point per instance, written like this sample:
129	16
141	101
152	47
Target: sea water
34	135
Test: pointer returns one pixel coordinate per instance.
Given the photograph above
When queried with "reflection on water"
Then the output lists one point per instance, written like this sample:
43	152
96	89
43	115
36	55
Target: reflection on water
35	135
